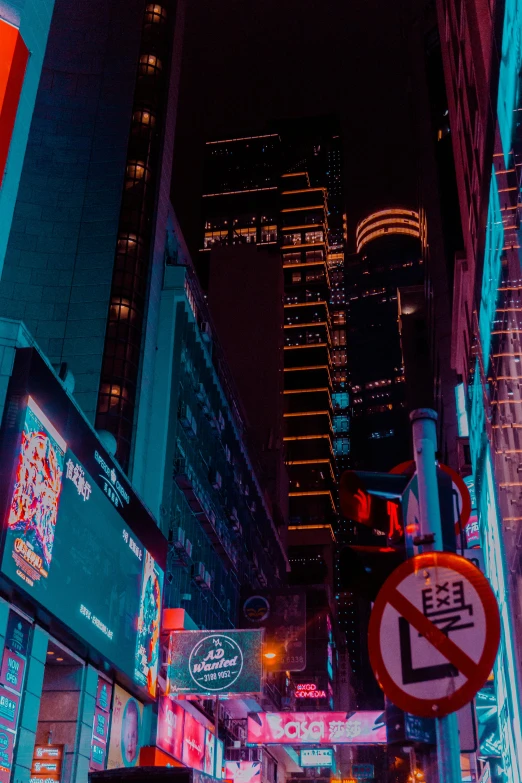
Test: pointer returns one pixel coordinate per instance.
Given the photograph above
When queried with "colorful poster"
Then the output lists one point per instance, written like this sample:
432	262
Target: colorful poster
243	771
125	736
149	617
6	755
170	727
12	671
215	661
193	743
34	506
299	728
9	707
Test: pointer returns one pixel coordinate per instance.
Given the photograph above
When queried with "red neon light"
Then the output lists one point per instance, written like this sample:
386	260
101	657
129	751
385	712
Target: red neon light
12	71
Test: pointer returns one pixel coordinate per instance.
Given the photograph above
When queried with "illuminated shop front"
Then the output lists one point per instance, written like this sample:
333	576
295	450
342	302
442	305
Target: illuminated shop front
81	577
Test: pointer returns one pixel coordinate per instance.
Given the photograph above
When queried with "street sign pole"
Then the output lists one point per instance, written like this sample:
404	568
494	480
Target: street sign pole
424	448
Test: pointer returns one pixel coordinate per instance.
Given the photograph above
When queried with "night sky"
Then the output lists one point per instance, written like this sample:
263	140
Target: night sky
246	62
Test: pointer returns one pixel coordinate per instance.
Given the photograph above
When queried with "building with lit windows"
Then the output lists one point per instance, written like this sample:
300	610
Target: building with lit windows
84	259
482	57
389	257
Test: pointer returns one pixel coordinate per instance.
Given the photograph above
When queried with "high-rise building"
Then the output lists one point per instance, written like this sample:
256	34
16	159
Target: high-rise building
84	262
482	58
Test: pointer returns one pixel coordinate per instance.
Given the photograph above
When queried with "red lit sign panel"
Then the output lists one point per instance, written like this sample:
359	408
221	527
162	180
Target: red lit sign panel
12	71
309	690
170	727
193	743
298	728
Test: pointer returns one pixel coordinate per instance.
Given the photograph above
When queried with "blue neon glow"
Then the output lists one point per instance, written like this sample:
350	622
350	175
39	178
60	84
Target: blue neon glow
492	268
462	416
510	64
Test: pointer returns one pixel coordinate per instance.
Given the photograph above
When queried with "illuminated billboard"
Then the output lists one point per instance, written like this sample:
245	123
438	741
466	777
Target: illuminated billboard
67	542
316	757
185	738
215	662
300	728
243	771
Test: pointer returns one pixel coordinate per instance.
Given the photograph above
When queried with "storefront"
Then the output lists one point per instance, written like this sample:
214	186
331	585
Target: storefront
81	578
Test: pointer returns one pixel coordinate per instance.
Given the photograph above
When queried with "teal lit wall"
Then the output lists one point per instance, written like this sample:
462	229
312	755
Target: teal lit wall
511	61
32	18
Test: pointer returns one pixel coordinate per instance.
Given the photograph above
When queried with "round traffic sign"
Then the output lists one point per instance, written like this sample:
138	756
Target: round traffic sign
462	509
434	634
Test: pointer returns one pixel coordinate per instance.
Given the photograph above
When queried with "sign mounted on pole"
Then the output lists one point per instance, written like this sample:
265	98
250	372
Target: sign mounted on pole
434	634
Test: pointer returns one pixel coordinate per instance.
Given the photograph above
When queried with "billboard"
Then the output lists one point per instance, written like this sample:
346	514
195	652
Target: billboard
125	740
300	728
282	613
215	662
243	771
316	757
169	736
77	540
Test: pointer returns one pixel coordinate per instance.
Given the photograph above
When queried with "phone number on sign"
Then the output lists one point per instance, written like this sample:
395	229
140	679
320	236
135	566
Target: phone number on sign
216	676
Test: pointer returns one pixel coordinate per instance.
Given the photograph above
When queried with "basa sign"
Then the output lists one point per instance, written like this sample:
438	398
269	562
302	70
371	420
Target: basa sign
300	728
215	661
434	634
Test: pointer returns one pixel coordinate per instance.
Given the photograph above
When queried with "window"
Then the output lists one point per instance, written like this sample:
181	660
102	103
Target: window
314	256
144	118
339	358
155	14
150	65
339	337
313	236
269	234
135	173
292	258
245	235
341	445
296	277
314	276
215	238
292	239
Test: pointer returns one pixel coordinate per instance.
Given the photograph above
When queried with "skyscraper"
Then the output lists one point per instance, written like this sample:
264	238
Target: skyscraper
84	260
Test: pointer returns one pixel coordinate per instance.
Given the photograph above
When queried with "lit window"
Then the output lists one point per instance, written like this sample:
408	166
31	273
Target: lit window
144	118
296	277
150	65
136	172
155	14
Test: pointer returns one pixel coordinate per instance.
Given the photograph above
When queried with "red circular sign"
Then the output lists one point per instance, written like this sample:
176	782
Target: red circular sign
435	595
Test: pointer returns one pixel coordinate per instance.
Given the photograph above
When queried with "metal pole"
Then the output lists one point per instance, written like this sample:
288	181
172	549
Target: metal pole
424	449
216	732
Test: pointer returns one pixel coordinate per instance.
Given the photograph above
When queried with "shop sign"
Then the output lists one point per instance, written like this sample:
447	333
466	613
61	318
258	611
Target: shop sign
100	728
363	771
47	764
17	633
215	661
282	613
299	728
9	706
308	690
193	753
170	727
316	757
12	671
6	754
64	528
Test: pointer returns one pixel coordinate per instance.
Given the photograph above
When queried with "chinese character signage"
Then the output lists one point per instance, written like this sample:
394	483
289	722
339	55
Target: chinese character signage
299	728
215	662
71	542
282	613
316	757
100	728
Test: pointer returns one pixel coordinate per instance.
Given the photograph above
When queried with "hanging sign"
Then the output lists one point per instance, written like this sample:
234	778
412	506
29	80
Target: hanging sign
434	634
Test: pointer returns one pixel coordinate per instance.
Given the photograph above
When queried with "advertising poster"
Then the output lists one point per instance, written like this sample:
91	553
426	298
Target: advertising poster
12	671
299	728
125	736
215	662
193	754
170	727
6	754
243	771
17	633
282	613
100	728
68	547
9	707
210	752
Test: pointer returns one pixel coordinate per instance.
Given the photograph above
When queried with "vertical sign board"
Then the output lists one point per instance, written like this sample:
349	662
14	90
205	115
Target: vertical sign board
100	728
440	613
47	764
12	674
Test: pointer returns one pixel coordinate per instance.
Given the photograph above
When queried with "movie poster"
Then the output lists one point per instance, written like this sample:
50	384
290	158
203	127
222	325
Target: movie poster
125	737
149	618
34	507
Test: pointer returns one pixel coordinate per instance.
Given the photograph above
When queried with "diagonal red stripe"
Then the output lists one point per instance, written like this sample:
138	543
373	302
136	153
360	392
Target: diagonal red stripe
433	635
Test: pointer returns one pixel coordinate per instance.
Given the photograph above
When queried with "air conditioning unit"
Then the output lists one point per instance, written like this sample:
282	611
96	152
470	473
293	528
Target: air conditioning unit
253	507
207	582
228	454
179	538
246	490
263	581
201	394
198	573
221	421
206	331
187	420
188	547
